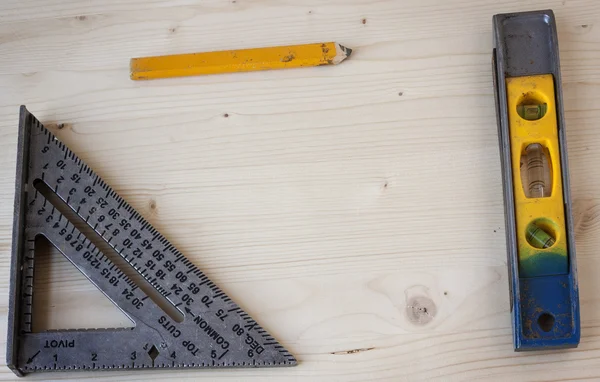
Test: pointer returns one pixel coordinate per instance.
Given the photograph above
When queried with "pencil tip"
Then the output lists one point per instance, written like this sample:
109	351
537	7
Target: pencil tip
341	53
346	50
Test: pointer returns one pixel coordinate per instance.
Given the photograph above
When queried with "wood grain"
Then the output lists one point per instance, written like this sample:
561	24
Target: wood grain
332	203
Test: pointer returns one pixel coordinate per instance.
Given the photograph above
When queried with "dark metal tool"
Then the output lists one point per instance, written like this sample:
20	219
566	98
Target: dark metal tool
61	198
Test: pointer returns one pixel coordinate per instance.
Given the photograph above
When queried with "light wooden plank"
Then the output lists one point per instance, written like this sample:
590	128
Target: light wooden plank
323	199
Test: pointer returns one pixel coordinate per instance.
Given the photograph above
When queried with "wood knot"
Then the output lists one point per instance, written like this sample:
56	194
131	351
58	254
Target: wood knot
384	186
81	18
586	215
58	126
152	204
420	310
363	21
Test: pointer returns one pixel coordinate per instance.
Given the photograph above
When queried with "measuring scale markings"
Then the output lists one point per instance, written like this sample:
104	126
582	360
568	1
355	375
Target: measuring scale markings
207	329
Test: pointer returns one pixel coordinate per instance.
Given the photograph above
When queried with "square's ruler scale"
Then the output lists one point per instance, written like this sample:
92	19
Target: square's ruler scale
207	329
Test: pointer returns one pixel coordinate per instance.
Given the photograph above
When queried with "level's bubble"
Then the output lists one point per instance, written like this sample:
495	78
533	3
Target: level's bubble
532	112
540	235
536	176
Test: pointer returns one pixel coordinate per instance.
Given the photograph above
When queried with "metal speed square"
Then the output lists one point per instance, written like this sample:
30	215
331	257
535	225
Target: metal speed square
60	198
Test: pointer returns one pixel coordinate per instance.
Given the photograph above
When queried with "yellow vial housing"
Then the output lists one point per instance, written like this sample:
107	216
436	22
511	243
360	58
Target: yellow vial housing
537	213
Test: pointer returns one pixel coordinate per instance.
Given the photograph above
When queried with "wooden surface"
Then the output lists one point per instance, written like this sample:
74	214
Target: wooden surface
335	204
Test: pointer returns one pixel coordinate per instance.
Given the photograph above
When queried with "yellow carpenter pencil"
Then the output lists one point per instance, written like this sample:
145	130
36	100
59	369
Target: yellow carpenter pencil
245	60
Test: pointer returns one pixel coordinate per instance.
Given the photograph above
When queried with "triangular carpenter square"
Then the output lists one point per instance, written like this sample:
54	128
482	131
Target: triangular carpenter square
197	325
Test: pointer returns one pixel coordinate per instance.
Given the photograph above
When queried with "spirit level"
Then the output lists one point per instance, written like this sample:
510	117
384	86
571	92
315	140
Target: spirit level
539	228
